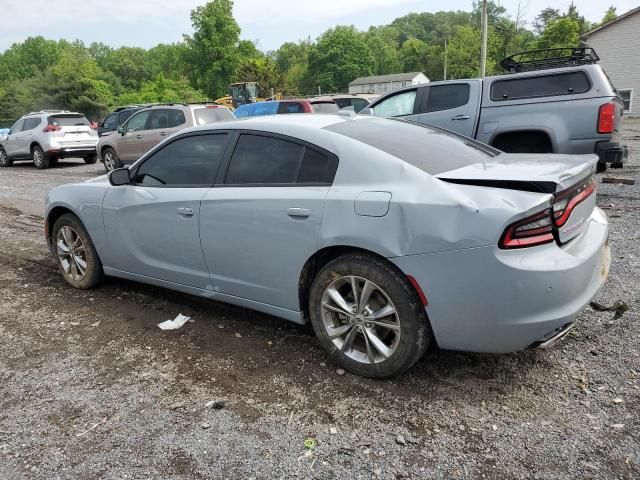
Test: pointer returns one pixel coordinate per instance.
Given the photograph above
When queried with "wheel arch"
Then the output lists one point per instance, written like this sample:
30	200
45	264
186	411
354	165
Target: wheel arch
319	259
36	144
52	216
508	137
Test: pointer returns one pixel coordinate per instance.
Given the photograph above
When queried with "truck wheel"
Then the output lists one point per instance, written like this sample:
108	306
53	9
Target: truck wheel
40	160
368	317
601	167
5	161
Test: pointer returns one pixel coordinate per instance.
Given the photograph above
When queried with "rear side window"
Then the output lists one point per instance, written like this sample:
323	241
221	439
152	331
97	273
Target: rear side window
446	97
169	118
265	160
324	107
185	162
68	120
428	148
290	107
211	114
540	86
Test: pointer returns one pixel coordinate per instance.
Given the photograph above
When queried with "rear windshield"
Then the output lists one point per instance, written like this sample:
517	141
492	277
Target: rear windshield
430	149
291	107
68	120
212	115
256	109
324	107
540	86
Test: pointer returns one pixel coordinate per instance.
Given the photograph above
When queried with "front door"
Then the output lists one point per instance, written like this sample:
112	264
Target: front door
129	146
153	223
261	222
452	106
15	140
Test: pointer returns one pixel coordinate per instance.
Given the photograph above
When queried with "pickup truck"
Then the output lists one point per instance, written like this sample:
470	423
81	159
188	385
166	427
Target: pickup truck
561	104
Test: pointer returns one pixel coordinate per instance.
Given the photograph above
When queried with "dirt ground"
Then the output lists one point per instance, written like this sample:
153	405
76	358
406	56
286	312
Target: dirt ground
90	388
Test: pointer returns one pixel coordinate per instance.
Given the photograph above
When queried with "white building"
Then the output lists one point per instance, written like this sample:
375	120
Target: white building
617	43
380	84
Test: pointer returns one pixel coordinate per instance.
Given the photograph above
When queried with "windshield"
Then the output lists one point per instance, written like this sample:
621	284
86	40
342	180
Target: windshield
430	149
211	115
68	120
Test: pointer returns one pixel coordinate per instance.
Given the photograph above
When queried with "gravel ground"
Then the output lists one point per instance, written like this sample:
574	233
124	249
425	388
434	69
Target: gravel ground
91	388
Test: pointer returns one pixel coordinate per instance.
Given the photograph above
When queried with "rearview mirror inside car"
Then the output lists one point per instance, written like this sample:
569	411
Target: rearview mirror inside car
120	176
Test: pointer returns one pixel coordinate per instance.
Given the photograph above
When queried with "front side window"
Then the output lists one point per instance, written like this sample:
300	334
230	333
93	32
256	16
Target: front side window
446	97
17	127
359	104
30	124
625	95
137	122
185	162
396	105
124	115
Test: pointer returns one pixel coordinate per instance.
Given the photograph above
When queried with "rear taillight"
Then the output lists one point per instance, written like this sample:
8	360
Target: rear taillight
212	106
51	128
94	126
565	202
534	230
607	118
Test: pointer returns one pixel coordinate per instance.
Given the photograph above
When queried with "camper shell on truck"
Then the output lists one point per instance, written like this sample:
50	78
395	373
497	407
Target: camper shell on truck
552	101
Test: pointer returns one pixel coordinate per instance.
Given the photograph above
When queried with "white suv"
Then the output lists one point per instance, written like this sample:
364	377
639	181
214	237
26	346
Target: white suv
48	136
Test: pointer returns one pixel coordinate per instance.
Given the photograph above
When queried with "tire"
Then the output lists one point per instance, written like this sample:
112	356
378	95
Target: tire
111	159
53	161
91	159
40	160
406	333
66	231
601	167
5	161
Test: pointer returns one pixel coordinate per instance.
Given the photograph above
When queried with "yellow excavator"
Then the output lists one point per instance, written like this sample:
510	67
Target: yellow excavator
241	93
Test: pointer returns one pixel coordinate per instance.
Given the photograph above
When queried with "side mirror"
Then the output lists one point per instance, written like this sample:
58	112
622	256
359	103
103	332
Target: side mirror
121	130
366	111
120	176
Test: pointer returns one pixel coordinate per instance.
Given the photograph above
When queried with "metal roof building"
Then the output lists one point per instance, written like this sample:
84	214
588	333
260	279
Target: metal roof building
380	84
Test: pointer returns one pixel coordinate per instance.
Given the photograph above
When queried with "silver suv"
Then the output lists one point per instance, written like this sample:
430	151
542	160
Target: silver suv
148	127
48	136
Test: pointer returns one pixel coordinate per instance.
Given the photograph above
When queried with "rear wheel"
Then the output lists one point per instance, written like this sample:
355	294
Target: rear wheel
368	317
77	257
5	161
601	167
40	160
111	160
90	159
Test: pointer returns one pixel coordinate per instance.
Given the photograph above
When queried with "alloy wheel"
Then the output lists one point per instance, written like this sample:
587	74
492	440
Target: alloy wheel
38	157
360	319
109	160
71	253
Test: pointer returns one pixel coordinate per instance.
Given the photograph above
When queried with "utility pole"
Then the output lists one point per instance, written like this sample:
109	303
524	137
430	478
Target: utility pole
483	46
445	58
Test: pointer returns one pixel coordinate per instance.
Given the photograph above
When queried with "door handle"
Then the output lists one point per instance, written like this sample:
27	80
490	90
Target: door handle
185	211
163	134
299	212
138	136
461	117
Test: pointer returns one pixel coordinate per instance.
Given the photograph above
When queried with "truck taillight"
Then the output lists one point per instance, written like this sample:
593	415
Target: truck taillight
51	128
607	118
565	202
531	231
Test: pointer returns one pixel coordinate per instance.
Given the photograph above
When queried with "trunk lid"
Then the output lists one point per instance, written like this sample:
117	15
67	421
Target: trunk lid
569	178
71	129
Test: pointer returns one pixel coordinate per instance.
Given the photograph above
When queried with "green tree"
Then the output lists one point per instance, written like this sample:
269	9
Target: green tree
416	56
383	43
544	18
340	56
609	15
464	53
262	70
212	52
563	32
129	64
29	58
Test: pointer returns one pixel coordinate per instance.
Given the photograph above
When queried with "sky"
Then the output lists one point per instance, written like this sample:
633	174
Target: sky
145	23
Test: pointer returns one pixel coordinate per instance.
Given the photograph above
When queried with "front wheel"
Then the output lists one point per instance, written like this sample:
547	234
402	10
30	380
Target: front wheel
40	160
77	257
368	317
111	160
5	161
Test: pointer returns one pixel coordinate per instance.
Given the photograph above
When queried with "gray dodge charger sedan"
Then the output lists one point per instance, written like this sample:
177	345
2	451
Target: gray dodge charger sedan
388	236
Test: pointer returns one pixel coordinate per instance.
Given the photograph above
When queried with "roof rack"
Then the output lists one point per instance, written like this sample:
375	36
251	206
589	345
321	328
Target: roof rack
549	58
48	111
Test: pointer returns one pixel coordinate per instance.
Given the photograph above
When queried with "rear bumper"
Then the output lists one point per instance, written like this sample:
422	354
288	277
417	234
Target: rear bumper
73	152
491	300
612	153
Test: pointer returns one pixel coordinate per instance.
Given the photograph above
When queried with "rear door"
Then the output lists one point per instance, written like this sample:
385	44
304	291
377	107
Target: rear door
261	222
153	223
452	106
161	124
129	147
27	134
406	104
